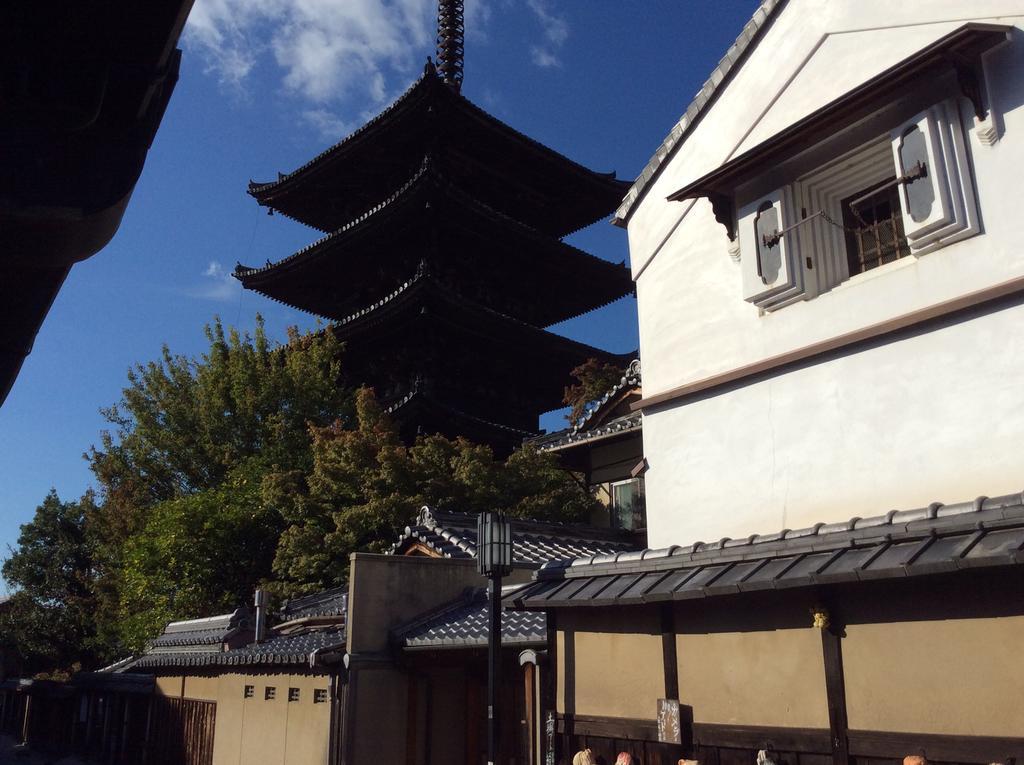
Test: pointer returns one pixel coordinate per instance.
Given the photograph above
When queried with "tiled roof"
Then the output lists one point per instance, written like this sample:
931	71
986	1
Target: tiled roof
210	632
697	106
333	602
560	439
934	539
278	650
463	624
583	432
453	535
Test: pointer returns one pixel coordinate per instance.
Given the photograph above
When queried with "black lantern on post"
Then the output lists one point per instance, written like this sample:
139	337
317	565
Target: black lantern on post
493	560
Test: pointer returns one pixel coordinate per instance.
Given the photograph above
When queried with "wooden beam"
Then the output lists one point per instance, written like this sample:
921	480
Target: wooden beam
835	694
668	651
875	331
950	748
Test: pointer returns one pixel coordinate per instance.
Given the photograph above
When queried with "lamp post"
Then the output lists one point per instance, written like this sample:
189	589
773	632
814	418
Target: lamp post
493	560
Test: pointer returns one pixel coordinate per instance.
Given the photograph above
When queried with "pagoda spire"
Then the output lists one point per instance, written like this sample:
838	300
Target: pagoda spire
450	31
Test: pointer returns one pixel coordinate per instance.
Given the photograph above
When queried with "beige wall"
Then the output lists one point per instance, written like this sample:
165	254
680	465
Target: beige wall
957	676
770	677
256	731
202	688
169	685
610	663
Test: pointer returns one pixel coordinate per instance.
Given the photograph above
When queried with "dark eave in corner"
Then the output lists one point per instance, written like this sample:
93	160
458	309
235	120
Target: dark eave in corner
76	125
959	50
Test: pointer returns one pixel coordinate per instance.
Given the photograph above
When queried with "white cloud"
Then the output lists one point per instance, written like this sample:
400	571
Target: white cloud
218	284
329	125
556	32
327	50
544	58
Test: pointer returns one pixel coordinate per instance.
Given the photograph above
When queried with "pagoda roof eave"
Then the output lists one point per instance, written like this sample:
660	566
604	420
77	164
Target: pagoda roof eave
409	297
607	281
275	194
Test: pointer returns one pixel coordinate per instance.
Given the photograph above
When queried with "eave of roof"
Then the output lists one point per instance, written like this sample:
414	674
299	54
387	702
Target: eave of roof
719	78
463	623
571	437
429	85
453	535
614	279
965	41
470	317
280	650
935	539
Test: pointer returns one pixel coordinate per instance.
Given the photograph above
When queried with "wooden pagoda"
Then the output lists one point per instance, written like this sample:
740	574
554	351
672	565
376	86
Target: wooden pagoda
443	258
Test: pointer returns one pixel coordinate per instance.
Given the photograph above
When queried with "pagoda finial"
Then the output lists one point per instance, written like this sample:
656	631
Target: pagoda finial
450	30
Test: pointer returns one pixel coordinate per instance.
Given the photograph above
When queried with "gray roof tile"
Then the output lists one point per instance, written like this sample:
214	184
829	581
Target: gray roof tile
908	543
453	535
278	650
463	624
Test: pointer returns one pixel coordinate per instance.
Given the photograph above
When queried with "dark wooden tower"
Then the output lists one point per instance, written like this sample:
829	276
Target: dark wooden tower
443	258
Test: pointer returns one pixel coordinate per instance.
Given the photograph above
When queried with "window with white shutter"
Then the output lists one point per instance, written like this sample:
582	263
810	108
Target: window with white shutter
937	197
773	274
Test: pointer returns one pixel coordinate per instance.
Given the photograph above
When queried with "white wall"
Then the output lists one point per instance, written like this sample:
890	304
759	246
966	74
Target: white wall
926	418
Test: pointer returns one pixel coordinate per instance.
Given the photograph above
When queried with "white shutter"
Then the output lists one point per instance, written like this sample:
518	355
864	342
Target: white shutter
772	272
941	204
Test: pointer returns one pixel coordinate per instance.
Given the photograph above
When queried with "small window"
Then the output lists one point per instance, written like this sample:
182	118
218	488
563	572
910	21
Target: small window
873	222
269	693
250	691
293	694
319	695
628	509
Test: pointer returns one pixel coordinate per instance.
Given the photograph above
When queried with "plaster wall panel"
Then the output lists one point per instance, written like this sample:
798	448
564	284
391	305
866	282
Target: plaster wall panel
231	708
308	722
610	664
265	725
899	676
771	677
169	685
935	417
203	688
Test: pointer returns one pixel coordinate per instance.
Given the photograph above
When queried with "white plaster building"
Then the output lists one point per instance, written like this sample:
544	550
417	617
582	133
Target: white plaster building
825	373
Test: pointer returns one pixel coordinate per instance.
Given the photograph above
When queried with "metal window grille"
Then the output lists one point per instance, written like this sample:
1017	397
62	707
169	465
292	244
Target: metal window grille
249	692
269	693
319	695
493	544
874	228
293	694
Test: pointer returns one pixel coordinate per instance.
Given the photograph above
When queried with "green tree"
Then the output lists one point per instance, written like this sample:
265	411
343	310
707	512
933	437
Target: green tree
48	622
191	439
364	485
197	555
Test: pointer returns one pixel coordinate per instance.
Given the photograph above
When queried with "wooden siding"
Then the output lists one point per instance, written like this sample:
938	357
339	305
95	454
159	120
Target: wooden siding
181	732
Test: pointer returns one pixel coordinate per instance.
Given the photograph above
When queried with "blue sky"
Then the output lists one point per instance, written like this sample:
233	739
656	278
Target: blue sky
265	85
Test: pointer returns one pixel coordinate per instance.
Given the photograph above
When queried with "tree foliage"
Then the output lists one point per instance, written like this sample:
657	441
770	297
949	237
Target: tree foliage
179	475
595	379
48	622
365	485
252	464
